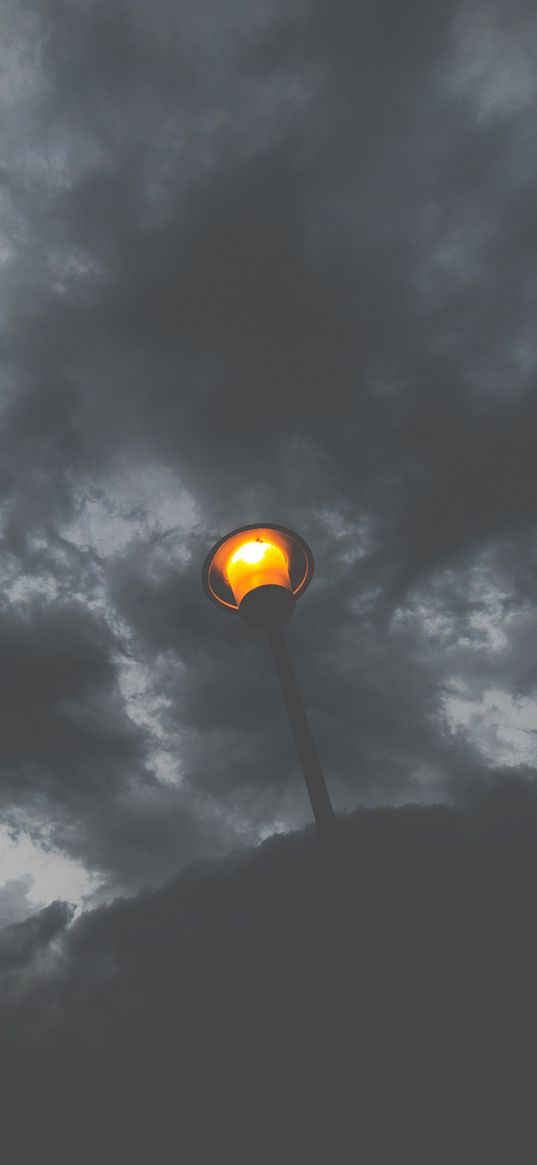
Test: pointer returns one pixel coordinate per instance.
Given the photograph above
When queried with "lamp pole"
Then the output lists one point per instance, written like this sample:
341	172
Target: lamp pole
305	745
258	572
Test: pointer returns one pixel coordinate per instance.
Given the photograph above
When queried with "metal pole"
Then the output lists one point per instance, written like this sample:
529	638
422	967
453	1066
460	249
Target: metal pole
311	767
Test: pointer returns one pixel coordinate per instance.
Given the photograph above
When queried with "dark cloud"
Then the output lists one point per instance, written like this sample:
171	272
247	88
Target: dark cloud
75	766
24	947
263	261
268	999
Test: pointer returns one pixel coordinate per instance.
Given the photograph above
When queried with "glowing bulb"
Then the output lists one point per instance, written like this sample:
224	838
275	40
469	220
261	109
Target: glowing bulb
257	564
251	552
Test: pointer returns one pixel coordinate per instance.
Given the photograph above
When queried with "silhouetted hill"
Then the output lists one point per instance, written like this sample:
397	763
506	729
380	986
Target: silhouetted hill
381	1009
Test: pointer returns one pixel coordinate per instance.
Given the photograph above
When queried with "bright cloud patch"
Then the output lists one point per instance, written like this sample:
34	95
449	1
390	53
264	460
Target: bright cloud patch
135	503
32	877
465	609
503	728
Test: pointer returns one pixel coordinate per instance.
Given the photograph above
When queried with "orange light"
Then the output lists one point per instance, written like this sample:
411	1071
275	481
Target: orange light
255	556
256	563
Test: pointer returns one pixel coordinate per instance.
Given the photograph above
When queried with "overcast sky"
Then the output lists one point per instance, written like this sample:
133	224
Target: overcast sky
262	260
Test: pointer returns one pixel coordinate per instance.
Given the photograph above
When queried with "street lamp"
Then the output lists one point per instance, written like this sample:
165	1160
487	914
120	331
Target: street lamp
258	572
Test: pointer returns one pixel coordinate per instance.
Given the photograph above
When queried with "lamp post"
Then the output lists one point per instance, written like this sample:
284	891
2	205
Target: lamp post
258	572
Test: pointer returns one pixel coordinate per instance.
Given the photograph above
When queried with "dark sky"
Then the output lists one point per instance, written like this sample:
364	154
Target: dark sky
261	261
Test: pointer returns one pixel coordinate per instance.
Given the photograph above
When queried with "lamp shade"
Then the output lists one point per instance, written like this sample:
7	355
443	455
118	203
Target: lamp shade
253	557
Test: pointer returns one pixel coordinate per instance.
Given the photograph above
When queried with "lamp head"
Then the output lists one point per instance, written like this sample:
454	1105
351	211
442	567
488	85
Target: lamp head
258	572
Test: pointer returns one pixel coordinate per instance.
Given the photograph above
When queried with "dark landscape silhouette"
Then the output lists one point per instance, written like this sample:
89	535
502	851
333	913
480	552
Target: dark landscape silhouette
383	1009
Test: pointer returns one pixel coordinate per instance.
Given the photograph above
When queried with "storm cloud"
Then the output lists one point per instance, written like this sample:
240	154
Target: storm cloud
261	262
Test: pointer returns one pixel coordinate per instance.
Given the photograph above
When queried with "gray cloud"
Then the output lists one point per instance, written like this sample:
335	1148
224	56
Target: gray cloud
262	261
14	903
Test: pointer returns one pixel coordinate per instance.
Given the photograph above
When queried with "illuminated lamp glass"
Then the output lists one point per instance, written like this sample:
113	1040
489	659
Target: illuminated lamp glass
253	557
257	564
